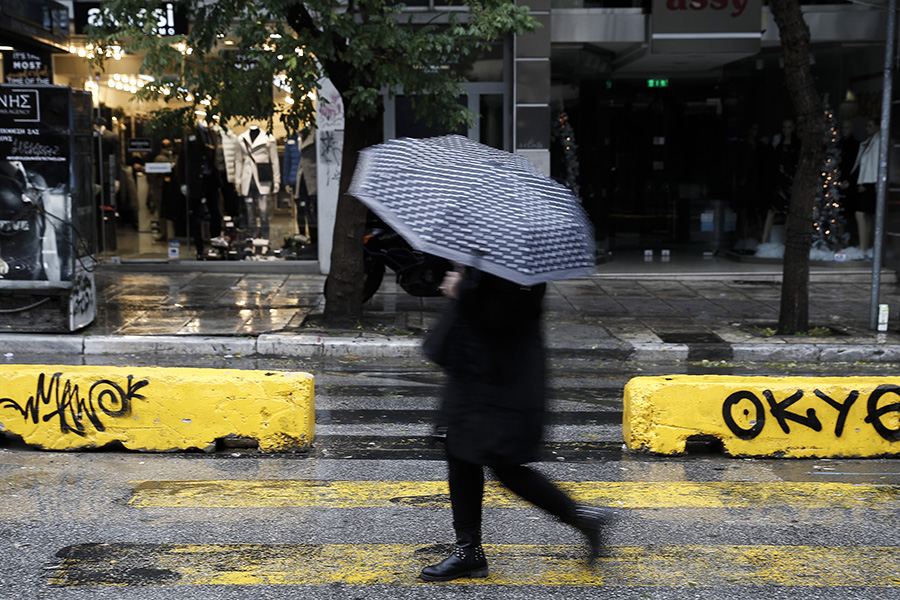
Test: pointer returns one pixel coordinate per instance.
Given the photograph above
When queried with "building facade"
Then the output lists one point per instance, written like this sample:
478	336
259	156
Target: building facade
648	110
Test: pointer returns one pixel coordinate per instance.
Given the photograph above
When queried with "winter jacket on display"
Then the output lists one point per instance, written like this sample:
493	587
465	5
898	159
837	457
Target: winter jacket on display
228	148
307	166
291	160
256	162
866	167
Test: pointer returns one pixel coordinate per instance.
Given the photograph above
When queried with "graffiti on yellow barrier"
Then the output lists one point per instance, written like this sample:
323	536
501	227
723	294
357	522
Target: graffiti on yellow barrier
74	409
737	402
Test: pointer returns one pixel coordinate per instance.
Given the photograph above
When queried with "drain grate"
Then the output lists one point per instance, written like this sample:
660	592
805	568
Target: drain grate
691	337
702	345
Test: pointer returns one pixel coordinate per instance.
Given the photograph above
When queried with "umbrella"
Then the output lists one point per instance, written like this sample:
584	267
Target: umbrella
478	206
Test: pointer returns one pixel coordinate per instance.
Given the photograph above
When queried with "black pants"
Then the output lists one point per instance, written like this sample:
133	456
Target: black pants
467	489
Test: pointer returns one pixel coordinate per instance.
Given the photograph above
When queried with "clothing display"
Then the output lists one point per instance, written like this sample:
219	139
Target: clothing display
867	159
258	176
226	154
197	168
306	186
865	171
785	156
306	176
166	193
256	163
291	160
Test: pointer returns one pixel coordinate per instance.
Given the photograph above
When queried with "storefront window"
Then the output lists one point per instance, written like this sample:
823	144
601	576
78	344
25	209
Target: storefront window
689	162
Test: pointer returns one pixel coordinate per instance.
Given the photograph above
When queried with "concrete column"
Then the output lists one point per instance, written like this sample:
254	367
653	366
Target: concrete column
531	89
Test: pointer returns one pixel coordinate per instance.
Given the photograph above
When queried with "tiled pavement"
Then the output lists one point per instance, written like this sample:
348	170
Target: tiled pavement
670	306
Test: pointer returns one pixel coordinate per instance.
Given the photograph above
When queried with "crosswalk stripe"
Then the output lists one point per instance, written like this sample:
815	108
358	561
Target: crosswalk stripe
511	565
623	494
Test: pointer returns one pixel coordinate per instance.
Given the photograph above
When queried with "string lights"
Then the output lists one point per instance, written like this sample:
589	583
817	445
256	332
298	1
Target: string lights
828	218
566	135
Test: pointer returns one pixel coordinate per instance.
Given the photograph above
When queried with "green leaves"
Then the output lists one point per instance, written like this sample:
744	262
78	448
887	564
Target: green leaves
239	52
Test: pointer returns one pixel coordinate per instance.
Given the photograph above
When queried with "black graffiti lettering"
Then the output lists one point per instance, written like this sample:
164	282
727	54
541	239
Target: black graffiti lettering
875	413
779	411
843	409
82	298
119	402
69	405
759	422
104	397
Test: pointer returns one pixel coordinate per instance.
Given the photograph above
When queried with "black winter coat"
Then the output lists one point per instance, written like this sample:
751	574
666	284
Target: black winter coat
493	405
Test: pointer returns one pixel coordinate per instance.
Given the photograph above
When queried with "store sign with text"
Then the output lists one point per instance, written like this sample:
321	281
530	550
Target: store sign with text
170	18
20	105
706	26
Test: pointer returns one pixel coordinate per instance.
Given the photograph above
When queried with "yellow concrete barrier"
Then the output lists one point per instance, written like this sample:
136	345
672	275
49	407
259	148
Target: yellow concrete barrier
765	416
155	408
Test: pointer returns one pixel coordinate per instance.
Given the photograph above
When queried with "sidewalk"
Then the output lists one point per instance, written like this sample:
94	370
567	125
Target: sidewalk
694	309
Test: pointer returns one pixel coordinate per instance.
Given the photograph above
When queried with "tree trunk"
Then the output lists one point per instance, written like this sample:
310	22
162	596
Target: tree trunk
344	292
811	126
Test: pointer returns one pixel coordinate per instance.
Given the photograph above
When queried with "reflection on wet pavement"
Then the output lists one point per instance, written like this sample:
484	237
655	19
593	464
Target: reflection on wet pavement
203	303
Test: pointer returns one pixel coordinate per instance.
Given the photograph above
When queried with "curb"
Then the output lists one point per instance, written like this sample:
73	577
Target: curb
167	344
311	346
813	353
40	343
318	346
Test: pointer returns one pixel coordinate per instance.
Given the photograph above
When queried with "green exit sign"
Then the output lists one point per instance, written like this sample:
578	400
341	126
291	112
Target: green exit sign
657	83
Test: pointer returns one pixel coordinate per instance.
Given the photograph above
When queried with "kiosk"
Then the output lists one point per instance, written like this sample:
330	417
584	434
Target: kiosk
47	209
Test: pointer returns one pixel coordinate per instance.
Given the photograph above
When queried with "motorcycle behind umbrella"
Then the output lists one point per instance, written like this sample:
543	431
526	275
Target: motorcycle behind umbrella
418	273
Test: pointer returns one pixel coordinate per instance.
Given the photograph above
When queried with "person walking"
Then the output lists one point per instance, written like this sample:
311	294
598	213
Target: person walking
491	347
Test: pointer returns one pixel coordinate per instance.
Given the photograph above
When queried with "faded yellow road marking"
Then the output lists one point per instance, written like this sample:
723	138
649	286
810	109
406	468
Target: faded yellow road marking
399	564
623	494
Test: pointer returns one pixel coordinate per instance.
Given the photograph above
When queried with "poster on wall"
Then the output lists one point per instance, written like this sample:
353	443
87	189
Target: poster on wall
27	68
36	236
82	297
330	145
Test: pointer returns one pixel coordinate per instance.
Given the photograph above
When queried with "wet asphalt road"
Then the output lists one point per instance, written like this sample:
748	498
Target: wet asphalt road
235	524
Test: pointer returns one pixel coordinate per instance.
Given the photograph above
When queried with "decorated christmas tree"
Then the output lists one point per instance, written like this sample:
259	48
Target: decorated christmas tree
563	131
828	218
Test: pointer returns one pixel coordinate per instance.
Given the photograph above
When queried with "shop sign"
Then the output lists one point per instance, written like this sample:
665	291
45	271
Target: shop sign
26	68
140	145
19	106
158	168
706	26
170	18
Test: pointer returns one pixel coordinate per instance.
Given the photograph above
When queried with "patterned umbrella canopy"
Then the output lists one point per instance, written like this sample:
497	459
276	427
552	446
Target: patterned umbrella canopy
478	206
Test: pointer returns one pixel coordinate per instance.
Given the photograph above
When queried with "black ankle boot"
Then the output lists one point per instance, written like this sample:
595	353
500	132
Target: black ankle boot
467	560
592	522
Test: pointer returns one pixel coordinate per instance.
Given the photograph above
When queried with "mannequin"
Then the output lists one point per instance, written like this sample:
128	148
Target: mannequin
306	186
786	155
257	177
165	189
225	154
865	171
203	184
